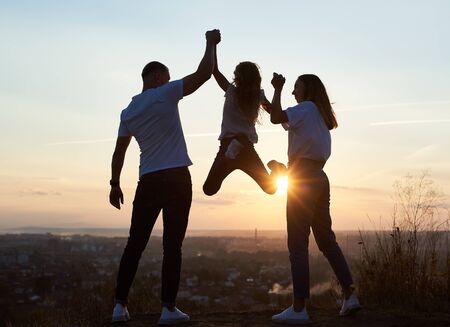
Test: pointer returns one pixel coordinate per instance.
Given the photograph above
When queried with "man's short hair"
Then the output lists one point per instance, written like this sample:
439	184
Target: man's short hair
152	67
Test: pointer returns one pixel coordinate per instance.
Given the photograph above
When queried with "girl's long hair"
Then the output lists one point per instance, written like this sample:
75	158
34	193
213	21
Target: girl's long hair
247	80
315	91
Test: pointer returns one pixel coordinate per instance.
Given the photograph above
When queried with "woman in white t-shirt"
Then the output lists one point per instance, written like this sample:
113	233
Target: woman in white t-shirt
243	100
308	202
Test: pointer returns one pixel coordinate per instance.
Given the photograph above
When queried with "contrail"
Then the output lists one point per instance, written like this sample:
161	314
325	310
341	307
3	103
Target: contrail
390	105
263	131
406	122
80	142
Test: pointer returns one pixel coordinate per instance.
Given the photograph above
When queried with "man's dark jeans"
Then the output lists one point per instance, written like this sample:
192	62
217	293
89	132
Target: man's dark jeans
308	207
169	190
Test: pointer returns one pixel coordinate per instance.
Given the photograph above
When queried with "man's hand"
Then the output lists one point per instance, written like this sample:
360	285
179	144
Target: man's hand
278	81
213	36
116	196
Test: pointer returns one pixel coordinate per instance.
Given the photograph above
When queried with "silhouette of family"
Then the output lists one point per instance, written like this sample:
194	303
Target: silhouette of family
153	119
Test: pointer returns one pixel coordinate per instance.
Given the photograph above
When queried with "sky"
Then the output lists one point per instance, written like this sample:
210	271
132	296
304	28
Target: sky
67	69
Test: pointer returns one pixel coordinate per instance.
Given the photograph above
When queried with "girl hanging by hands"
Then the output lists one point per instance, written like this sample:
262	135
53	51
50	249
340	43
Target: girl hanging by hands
243	100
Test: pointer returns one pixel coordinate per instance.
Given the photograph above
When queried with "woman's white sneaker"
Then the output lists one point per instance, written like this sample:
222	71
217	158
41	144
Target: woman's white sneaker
120	313
291	317
350	306
172	317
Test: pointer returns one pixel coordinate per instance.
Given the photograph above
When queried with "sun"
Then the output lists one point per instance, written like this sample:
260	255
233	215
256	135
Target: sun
282	184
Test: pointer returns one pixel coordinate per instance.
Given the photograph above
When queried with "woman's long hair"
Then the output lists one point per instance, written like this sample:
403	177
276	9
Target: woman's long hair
315	91
247	80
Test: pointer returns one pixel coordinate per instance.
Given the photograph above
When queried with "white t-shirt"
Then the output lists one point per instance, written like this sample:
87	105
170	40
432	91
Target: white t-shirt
309	136
234	121
152	117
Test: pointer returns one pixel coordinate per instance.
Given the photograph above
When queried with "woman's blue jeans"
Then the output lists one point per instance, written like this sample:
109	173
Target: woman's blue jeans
308	207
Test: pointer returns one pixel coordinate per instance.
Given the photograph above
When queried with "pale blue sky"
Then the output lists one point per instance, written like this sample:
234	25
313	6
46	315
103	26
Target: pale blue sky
69	68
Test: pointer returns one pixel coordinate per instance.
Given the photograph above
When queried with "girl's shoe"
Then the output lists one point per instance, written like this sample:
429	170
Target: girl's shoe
277	168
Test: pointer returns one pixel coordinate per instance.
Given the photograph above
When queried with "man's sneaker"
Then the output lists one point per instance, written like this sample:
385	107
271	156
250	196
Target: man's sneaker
290	317
172	317
277	168
233	149
350	306
120	313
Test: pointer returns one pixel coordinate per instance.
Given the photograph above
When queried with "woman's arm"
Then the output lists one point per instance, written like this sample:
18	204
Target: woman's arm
220	79
277	116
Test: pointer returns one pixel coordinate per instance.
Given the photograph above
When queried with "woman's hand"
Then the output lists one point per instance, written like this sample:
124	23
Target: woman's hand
278	81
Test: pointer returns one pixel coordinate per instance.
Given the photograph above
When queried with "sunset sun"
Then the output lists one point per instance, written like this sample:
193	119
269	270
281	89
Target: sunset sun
282	184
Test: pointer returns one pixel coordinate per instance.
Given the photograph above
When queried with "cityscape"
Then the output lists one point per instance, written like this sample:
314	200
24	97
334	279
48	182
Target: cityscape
43	271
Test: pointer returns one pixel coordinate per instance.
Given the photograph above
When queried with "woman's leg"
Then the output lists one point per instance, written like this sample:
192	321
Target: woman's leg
301	203
326	239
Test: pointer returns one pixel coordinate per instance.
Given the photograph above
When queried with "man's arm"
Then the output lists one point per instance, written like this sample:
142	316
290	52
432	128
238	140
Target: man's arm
116	195
192	82
277	116
220	79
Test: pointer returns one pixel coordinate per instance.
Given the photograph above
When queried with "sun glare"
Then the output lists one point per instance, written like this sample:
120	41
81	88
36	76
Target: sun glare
282	184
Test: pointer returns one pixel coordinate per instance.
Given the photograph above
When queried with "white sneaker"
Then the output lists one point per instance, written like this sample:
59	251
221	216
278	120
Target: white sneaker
350	306
120	313
290	317
172	317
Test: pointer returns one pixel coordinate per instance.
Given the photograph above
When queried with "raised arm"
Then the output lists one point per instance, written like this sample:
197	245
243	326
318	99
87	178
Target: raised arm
277	116
193	81
116	195
266	105
220	79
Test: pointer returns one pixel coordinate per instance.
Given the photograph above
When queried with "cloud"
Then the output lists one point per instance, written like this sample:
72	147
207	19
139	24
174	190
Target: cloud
214	201
31	192
408	122
392	105
188	135
424	152
366	190
80	142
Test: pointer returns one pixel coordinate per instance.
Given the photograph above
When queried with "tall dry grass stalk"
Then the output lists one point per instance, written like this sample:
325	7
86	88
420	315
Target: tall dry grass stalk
408	266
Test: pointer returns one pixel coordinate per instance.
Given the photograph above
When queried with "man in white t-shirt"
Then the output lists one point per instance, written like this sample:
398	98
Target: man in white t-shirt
153	119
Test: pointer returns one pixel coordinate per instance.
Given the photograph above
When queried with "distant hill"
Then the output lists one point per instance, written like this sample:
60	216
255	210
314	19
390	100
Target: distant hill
123	232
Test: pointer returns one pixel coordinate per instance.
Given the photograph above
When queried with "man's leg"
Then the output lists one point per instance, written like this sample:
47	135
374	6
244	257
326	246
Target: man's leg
146	209
175	217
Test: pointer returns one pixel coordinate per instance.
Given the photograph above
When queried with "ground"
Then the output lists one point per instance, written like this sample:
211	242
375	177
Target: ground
320	318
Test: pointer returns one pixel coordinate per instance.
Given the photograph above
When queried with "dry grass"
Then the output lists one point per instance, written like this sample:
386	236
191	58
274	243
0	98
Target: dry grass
409	266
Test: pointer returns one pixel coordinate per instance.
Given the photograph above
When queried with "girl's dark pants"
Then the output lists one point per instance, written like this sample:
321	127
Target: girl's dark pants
308	207
169	190
247	160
